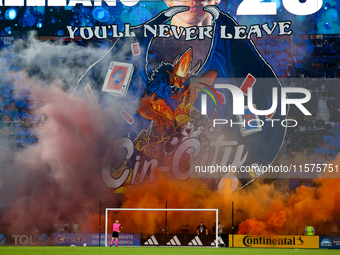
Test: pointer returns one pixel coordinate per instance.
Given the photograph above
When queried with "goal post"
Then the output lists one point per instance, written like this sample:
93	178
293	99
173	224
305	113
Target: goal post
162	210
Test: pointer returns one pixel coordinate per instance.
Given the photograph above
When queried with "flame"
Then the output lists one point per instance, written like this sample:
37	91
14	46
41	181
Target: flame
181	69
183	64
160	105
144	140
183	108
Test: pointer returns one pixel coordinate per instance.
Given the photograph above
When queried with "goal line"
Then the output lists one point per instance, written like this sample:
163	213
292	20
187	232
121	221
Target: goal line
163	210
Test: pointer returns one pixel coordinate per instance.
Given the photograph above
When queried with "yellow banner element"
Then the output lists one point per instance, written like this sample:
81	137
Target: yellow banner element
274	241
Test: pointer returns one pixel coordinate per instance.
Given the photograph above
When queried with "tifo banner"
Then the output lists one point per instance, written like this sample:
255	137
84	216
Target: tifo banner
201	95
278	241
329	242
91	239
59	18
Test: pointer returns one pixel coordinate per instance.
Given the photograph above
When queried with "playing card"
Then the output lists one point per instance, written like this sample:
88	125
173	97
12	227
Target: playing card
255	126
135	49
91	96
118	78
126	116
248	83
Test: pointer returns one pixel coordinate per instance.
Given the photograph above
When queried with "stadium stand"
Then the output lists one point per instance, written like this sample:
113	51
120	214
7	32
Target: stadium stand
16	114
294	58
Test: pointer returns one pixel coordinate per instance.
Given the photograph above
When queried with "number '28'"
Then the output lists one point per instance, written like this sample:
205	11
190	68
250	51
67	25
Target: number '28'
257	7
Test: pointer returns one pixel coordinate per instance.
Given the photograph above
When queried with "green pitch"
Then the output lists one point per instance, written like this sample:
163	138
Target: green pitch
67	250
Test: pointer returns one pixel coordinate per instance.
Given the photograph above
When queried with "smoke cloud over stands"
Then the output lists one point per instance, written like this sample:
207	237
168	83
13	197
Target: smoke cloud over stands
53	180
59	178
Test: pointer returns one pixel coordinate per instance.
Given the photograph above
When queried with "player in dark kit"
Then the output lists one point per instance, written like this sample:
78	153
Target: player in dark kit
201	229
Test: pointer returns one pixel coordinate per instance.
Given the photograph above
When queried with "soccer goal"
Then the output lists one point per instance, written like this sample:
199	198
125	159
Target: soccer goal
162	210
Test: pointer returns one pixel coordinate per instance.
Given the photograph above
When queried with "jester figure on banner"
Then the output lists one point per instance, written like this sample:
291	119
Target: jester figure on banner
156	112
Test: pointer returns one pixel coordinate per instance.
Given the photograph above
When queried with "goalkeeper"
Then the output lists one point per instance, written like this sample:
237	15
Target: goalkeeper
116	229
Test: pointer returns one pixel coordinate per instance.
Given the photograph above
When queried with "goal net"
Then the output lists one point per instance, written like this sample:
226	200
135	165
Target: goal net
166	236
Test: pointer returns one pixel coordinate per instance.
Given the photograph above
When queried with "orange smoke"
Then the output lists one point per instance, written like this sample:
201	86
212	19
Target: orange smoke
259	209
193	193
318	206
154	194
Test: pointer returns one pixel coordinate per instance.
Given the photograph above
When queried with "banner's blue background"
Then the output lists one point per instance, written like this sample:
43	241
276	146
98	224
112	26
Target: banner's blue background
52	21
